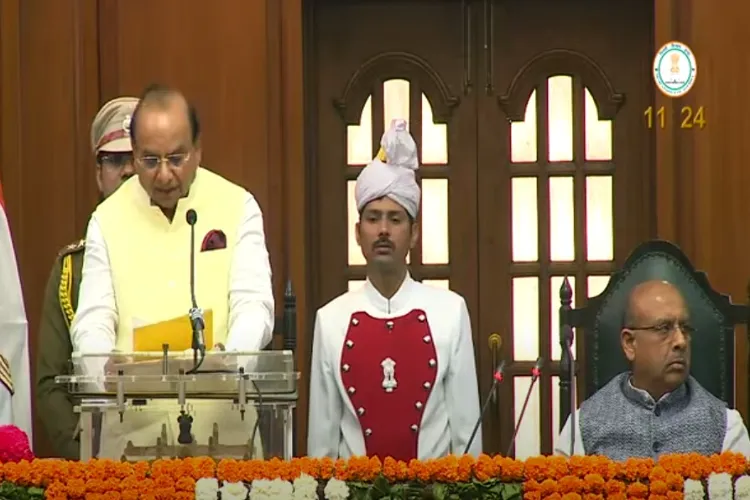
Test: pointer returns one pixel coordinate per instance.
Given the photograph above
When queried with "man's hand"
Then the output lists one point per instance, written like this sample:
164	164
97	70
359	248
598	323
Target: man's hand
114	361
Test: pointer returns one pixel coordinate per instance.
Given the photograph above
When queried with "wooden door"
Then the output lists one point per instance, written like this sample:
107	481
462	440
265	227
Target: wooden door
374	61
461	72
564	189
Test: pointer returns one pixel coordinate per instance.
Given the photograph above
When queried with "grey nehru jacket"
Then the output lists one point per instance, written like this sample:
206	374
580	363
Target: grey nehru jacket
620	421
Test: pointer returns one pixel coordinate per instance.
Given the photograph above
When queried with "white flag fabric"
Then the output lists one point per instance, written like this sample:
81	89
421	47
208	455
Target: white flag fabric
14	343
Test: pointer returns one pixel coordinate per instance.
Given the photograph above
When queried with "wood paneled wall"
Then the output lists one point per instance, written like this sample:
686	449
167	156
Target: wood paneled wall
702	176
239	61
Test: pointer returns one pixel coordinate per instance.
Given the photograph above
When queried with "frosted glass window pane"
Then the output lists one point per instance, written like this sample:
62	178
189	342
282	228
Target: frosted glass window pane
599	221
356	284
525	236
444	284
555	411
523	135
395	101
434	137
554	315
598	132
561	219
528	441
525	318
435	221
355	256
560	118
359	138
596	285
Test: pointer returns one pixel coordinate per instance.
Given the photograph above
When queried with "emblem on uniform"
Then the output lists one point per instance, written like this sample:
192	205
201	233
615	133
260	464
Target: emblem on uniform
126	124
389	374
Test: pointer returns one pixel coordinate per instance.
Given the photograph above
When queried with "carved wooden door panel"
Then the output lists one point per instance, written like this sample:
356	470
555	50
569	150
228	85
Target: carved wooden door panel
564	181
407	64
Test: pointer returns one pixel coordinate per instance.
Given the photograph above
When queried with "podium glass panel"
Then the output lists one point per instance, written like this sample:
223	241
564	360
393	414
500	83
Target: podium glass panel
146	405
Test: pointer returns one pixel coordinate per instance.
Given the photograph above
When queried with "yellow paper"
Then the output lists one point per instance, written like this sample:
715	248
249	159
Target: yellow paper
177	332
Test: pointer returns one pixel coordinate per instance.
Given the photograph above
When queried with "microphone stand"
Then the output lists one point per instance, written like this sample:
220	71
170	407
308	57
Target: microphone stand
497	377
535	373
196	314
568	338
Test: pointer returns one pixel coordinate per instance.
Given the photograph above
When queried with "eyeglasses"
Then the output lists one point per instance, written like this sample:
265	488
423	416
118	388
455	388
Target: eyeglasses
114	160
666	328
174	160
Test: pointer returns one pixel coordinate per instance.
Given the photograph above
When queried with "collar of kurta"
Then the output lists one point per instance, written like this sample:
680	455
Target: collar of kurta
645	399
399	301
144	201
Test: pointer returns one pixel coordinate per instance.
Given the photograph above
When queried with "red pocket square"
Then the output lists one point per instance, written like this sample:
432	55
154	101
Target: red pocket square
215	239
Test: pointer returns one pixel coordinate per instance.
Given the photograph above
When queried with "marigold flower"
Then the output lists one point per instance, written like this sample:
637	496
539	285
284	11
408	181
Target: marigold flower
542	478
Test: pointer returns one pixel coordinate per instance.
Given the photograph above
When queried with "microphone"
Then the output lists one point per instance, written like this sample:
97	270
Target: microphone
535	372
497	377
195	313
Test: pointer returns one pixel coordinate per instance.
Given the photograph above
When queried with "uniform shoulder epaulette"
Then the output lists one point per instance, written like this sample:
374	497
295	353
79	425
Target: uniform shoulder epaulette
64	293
72	248
6	378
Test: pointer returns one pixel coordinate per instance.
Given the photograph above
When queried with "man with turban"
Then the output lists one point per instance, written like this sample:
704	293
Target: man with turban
393	369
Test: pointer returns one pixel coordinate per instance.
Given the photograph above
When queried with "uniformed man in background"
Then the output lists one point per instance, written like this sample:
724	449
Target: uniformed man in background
110	143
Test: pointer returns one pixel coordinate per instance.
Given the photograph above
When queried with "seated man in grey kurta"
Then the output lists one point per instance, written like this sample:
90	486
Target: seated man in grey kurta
657	408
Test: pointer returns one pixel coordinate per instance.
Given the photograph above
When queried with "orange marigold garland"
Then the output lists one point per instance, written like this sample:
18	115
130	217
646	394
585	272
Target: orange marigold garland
537	478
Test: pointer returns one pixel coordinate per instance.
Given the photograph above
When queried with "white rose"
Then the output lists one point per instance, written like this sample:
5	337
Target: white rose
336	490
233	491
306	488
207	488
693	490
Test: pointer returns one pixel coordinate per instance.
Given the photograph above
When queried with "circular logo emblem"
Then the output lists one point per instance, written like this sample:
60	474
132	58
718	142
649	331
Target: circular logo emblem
675	69
126	124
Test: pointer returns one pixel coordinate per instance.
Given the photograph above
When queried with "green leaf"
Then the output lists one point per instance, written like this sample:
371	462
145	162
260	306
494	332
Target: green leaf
511	491
440	491
381	488
358	490
36	492
10	491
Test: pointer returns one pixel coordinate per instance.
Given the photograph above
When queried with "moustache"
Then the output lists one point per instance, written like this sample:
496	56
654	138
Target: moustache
382	244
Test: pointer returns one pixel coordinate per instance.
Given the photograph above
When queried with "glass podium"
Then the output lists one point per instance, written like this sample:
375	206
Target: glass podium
148	405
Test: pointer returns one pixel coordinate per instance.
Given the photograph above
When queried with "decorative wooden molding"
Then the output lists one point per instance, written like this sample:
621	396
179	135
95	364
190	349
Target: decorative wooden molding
560	62
391	65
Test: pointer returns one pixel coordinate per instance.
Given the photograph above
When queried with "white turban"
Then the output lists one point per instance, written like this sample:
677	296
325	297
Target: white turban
395	178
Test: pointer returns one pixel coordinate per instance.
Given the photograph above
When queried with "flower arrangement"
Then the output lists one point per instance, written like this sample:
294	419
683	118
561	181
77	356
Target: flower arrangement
672	477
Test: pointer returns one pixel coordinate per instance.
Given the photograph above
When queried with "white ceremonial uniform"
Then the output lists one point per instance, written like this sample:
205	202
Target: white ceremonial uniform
393	377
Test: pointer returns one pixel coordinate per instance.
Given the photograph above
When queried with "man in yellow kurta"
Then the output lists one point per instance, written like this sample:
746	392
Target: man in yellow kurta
137	261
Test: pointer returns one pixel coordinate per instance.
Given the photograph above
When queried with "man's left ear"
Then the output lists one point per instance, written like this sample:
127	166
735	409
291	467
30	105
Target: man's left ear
414	234
628	343
99	177
198	153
